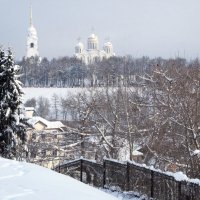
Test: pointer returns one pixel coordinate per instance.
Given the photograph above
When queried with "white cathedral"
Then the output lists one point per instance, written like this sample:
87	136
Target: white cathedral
32	40
88	56
93	53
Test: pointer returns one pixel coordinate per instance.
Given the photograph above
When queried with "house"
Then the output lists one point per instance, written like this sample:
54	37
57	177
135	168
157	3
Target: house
41	124
46	140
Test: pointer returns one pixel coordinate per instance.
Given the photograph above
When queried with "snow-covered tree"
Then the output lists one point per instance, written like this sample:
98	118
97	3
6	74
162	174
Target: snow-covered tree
12	123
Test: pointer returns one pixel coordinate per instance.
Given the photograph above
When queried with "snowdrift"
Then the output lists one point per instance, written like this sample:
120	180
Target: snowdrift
24	181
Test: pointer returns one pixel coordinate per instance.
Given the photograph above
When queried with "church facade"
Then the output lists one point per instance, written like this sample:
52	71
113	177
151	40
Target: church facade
32	40
93	53
88	56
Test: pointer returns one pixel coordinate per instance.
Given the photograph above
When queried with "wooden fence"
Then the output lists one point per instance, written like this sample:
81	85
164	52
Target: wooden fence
131	177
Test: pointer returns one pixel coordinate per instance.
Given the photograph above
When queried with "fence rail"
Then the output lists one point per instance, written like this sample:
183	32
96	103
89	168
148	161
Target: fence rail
131	177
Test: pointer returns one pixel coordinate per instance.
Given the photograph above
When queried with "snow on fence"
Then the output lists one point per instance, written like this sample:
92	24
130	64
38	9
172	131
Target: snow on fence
132	177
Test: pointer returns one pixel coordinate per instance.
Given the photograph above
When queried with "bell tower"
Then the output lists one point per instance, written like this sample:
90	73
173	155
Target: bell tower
32	39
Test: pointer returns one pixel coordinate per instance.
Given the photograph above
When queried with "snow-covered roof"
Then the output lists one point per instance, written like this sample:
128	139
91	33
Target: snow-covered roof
48	124
80	45
196	152
29	109
109	44
137	153
136	150
92	36
20	180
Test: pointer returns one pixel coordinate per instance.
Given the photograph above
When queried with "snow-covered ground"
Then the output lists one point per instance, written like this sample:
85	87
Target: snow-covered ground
125	195
49	92
32	92
23	181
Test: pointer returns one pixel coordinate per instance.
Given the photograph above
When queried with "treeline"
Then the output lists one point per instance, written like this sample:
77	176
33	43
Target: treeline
71	72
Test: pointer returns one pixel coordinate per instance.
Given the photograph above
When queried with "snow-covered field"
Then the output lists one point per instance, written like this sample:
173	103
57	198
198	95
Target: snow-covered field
23	181
49	92
31	92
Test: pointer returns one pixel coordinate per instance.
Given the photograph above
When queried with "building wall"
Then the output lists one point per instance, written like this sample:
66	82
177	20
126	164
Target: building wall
39	126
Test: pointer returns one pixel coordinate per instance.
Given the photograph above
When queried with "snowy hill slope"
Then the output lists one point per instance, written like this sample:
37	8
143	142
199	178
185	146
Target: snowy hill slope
23	181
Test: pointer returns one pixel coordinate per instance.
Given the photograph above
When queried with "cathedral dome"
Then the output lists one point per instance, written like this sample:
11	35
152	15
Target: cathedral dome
93	42
108	47
79	47
93	38
107	44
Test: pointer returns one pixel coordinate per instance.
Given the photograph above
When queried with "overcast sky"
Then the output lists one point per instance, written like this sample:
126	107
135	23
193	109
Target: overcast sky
136	27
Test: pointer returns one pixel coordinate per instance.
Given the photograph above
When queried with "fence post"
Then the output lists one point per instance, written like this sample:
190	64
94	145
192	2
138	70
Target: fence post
59	168
81	170
127	177
152	183
104	173
179	191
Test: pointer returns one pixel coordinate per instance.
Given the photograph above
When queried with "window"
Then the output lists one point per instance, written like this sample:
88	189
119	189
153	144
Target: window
55	152
32	45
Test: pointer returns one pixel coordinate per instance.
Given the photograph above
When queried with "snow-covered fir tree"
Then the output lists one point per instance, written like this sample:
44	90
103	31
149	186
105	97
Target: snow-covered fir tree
12	123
